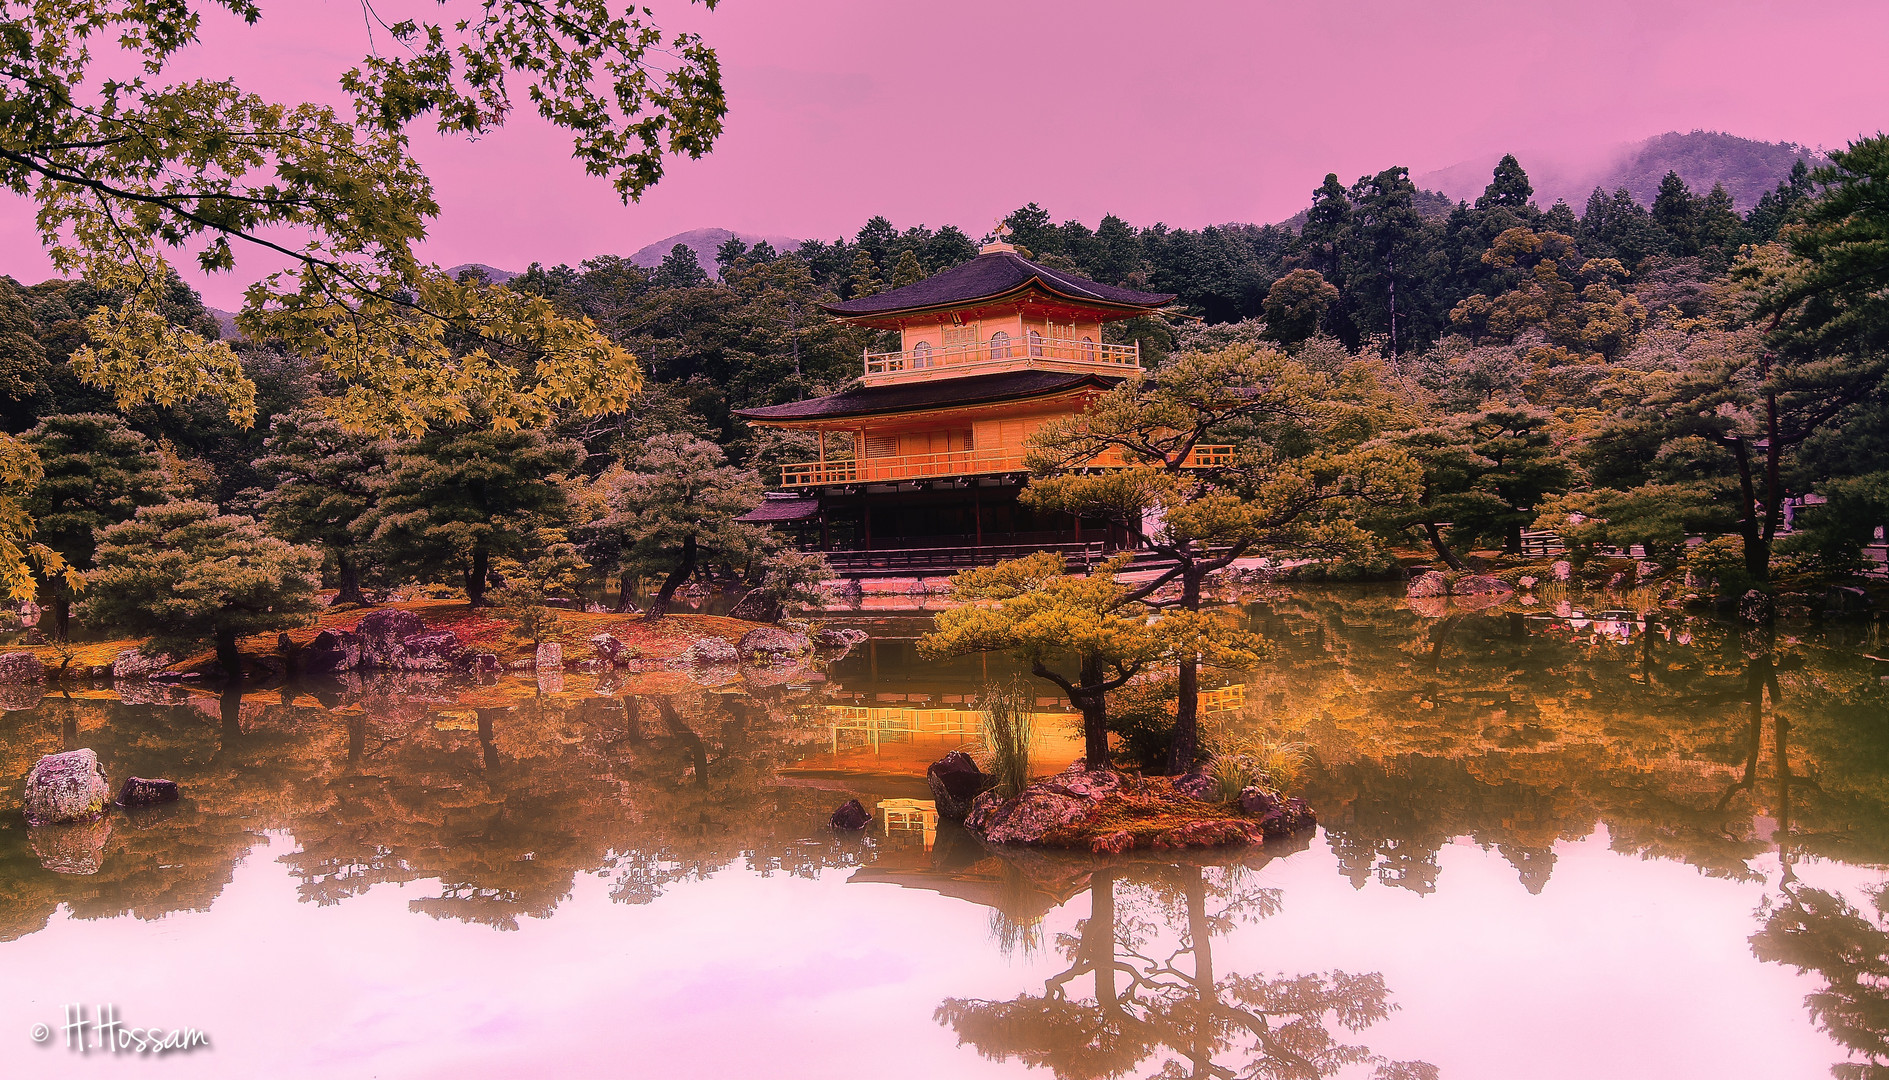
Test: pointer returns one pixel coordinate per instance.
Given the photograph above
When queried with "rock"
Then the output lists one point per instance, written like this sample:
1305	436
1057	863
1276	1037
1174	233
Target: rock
1528	581
389	625
1083	782
606	647
1480	585
1429	584
1113	843
1196	834
771	643
1755	607
711	651
73	848
21	667
1258	801
851	816
550	657
1646	569
1292	816
137	791
956	782
66	787
430	650
132	664
477	663
1617	580
982	808
756	606
1035	814
1430	607
1198	785
1845	600
837	638
551	680
332	651
1561	569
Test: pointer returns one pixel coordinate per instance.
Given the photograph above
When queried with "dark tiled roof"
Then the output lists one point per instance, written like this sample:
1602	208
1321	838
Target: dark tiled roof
907	397
793	508
992	275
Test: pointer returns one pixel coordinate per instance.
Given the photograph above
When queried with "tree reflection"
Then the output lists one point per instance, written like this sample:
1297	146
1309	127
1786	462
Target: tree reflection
1146	954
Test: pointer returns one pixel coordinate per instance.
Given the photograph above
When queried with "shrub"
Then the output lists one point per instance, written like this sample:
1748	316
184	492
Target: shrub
1008	723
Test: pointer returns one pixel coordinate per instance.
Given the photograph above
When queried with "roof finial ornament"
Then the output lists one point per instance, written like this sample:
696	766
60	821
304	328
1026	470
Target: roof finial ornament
997	243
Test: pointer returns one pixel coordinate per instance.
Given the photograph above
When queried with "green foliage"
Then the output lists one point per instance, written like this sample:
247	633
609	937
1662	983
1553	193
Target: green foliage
671	505
1296	305
455	500
182	573
1487	472
1719	564
324	484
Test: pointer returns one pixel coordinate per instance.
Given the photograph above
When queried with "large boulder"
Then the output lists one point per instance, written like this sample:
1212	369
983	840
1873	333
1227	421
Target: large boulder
956	782
1198	785
771	644
1430	583
389	625
133	664
430	650
757	606
1030	817
837	637
607	648
1480	585
18	697
549	657
710	652
21	667
332	651
1291	816
1561	569
851	816
138	791
66	787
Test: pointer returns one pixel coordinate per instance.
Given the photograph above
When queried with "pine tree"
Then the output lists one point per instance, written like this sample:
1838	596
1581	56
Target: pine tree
183	573
865	280
453	501
673	504
98	472
324	482
908	271
1509	187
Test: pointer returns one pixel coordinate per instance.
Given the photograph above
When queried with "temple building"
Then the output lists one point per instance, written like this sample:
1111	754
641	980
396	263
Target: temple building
918	466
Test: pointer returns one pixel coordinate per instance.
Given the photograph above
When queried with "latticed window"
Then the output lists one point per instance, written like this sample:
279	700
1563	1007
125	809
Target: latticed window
1000	346
1088	348
921	354
1036	343
882	446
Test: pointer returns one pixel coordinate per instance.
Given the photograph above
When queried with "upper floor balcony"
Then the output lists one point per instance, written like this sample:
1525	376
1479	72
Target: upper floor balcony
1001	352
892	469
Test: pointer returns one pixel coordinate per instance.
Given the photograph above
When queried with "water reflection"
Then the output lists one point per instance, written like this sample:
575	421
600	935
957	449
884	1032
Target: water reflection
1762	763
1141	990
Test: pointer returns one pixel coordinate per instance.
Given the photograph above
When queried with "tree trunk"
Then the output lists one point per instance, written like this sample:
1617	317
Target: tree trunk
625	586
1094	715
1512	543
1184	744
347	580
1098	936
1757	548
61	614
227	656
659	606
1206	993
475	577
1443	551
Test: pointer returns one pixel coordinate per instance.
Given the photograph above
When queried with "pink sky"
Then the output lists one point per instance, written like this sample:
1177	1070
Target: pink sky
1189	113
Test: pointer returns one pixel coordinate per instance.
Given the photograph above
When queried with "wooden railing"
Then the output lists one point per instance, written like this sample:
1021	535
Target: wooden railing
1099	354
942	557
880	470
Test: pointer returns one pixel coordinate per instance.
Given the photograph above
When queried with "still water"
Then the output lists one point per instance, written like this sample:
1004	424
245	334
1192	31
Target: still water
1549	848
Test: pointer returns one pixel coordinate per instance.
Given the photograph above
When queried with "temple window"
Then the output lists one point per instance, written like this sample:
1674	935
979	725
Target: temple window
1000	346
1036	343
1088	348
921	354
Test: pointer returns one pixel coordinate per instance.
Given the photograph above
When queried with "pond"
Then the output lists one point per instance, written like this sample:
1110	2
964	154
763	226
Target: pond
1562	847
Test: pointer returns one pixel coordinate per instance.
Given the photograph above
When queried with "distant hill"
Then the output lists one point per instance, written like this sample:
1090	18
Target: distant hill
225	324
493	275
1747	167
704	243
